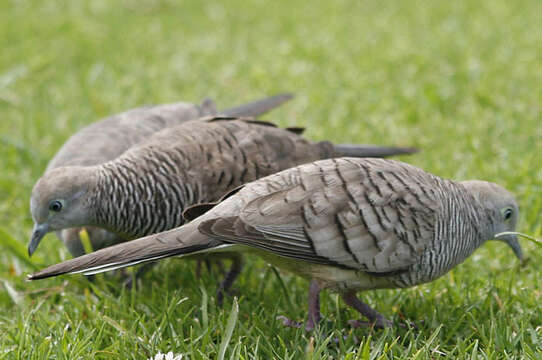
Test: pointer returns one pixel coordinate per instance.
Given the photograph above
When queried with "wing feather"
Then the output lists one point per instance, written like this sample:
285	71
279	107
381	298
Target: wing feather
339	215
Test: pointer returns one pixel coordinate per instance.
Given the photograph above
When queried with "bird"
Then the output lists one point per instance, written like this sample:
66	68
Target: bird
346	224
146	189
108	138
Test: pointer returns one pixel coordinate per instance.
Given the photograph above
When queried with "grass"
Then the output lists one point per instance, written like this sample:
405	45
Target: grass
459	79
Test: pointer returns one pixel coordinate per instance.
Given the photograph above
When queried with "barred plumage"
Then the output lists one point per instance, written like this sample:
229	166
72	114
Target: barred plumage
145	190
108	138
154	182
347	224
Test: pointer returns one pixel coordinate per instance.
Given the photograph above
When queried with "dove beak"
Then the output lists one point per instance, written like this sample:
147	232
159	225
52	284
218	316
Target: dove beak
514	244
38	233
512	241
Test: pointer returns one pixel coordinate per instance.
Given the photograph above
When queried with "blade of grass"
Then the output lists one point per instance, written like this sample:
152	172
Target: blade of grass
204	308
232	320
17	249
284	288
85	240
13	294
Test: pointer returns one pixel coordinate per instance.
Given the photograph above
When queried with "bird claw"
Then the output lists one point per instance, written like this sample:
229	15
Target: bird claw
309	325
289	323
381	323
220	294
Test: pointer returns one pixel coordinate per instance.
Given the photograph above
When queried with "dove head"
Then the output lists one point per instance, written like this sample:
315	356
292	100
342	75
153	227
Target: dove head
60	200
503	211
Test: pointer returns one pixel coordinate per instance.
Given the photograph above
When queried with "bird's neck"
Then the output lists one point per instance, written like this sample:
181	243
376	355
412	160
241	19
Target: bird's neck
134	202
462	226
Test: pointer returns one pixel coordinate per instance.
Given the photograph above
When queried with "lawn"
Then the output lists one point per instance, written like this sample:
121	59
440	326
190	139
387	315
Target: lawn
462	80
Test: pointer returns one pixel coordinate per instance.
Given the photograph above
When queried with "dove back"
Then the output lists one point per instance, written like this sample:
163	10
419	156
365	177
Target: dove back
146	189
108	138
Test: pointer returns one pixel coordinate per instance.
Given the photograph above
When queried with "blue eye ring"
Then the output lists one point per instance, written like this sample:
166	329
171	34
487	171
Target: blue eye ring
55	206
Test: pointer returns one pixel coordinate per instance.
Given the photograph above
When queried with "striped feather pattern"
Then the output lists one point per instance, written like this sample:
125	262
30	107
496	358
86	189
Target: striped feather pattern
145	190
108	138
381	217
347	223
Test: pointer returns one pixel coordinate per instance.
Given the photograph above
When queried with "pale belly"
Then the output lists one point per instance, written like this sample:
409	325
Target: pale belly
328	277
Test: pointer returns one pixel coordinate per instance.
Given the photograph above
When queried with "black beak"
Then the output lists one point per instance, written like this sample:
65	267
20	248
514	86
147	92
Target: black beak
38	233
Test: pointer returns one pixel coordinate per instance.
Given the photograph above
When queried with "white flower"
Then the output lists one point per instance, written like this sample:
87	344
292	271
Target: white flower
168	356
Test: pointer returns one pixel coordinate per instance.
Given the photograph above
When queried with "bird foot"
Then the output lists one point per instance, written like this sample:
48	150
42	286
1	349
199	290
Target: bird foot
309	325
376	319
381	323
220	294
288	322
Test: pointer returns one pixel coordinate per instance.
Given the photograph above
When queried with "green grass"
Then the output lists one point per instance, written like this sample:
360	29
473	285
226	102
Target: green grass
460	79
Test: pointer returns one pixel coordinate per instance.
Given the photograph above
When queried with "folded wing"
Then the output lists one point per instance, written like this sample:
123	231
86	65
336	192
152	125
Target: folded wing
366	215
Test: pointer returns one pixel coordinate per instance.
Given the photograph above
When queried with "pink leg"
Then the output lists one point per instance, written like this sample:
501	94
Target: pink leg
374	316
314	306
314	310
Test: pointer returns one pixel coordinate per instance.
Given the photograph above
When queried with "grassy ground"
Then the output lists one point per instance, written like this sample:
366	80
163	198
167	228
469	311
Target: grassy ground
462	80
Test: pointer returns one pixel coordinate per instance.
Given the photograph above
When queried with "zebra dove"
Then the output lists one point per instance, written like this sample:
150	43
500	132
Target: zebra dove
346	224
110	137
145	190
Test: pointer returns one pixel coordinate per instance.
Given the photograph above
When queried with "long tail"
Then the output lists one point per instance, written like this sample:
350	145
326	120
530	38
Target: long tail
258	107
348	150
185	240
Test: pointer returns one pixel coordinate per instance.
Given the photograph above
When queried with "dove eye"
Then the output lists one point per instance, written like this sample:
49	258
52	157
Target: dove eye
55	206
507	214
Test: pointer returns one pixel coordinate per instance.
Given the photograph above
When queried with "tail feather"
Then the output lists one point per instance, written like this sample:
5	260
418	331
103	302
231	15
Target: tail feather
348	150
184	240
258	107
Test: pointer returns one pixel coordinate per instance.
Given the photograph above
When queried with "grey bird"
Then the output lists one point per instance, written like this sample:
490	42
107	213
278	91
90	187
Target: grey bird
145	190
346	224
108	138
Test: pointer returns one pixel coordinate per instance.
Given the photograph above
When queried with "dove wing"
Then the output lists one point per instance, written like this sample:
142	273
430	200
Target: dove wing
342	212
